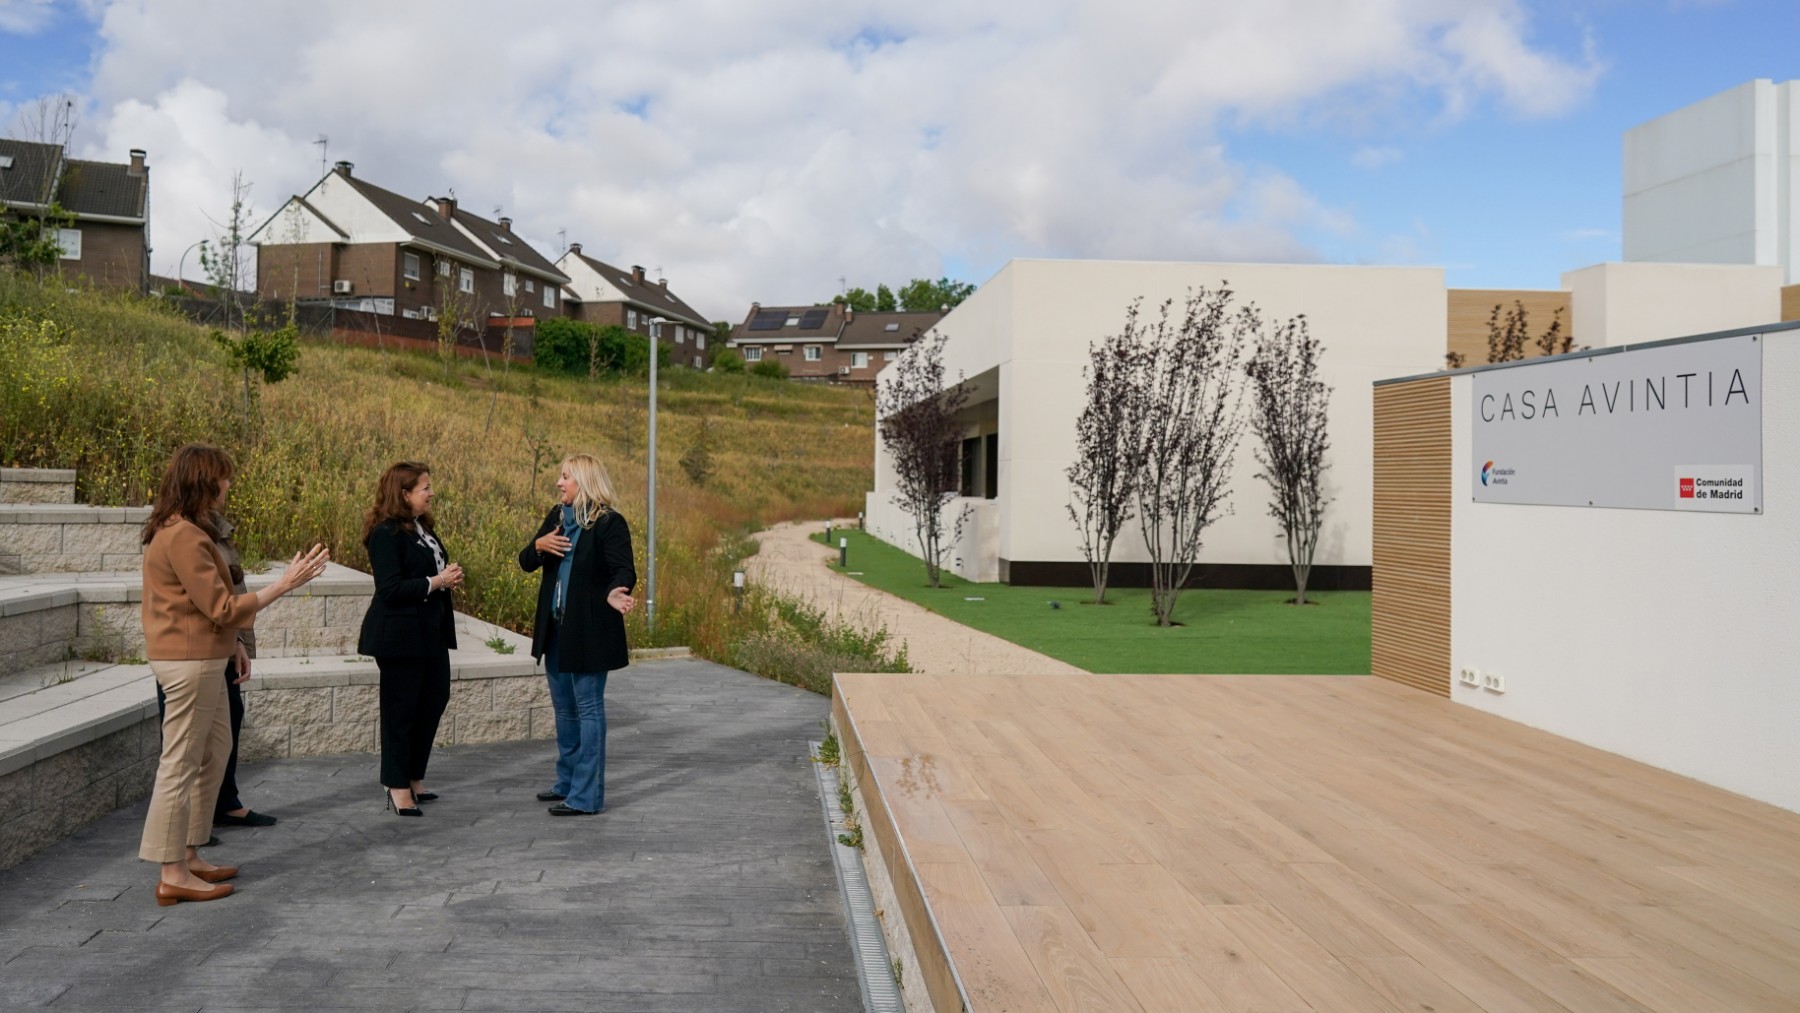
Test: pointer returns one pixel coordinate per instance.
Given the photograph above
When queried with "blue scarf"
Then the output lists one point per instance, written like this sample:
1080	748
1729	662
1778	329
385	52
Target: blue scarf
571	531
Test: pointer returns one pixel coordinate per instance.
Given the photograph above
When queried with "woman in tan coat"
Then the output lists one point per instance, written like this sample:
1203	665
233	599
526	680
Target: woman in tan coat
191	619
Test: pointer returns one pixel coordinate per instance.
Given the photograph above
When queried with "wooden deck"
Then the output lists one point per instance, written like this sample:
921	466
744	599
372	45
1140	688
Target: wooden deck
1276	843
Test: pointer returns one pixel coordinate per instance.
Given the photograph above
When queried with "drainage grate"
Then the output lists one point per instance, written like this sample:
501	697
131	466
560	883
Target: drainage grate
873	970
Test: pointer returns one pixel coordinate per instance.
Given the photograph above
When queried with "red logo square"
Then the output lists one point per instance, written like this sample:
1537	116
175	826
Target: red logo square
1687	488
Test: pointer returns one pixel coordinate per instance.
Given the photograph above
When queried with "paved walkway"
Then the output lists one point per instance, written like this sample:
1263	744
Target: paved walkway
790	562
707	884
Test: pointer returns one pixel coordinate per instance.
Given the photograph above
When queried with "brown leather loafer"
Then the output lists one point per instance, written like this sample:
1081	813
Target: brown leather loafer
216	874
169	896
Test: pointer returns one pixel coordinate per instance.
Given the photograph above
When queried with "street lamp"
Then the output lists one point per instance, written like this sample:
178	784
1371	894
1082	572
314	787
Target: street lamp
656	325
181	266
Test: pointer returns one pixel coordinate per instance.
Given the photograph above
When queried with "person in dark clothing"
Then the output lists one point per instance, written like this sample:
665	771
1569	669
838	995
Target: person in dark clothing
583	548
410	628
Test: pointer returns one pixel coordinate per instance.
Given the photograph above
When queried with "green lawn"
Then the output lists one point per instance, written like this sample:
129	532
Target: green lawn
1223	632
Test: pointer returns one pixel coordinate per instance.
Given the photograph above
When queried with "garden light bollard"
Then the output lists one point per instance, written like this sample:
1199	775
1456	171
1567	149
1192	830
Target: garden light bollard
737	591
843	553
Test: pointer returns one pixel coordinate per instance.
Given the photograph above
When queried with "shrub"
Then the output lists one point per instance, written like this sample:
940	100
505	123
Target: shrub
582	349
769	368
728	361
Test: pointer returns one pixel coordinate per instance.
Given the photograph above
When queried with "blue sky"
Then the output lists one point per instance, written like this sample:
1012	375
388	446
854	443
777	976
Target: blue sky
763	153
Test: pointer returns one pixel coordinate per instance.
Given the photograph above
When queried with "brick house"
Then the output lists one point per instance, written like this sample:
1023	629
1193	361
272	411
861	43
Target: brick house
364	249
603	294
108	243
833	344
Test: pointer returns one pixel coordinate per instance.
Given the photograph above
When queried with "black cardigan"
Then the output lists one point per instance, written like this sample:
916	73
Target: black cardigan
404	621
592	635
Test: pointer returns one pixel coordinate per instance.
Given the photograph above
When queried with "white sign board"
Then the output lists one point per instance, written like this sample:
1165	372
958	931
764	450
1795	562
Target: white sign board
1671	427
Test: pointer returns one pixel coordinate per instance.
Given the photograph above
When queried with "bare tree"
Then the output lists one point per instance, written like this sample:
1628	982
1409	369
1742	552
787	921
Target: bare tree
222	257
1185	402
1289	405
52	119
1554	341
1103	478
457	311
916	413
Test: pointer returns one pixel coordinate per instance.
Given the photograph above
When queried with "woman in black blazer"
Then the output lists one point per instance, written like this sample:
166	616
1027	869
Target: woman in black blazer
410	628
584	548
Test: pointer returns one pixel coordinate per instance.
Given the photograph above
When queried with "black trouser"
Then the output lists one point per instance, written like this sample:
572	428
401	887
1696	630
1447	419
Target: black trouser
414	693
228	792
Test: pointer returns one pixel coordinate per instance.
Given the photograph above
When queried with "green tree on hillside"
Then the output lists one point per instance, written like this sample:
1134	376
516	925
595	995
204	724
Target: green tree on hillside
921	295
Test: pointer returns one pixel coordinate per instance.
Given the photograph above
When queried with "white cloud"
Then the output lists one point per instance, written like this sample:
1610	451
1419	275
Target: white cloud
761	151
1371	157
24	17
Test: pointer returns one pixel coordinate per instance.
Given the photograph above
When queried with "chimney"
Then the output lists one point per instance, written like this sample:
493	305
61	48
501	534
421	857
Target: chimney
343	168
637	274
664	282
849	312
506	225
447	207
137	162
575	248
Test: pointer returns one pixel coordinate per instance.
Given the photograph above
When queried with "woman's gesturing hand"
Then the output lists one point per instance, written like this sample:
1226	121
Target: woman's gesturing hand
553	544
451	577
621	599
304	567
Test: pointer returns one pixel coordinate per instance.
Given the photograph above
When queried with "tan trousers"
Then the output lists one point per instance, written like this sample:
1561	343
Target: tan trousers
196	742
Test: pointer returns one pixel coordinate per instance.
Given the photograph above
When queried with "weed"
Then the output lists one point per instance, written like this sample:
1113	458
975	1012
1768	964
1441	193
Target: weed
828	750
499	644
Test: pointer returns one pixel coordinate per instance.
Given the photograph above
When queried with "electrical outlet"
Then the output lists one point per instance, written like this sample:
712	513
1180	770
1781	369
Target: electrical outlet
1470	677
1493	683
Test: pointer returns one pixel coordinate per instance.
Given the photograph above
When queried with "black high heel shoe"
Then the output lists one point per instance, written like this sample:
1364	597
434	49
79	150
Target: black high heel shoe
398	810
424	796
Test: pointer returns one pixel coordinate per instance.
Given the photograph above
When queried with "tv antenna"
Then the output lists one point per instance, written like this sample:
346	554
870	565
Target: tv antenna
562	239
324	144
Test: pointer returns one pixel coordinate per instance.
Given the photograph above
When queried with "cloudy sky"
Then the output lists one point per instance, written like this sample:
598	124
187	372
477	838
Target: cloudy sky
765	150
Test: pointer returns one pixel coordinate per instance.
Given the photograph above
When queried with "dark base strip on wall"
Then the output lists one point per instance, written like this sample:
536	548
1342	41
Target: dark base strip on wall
1229	576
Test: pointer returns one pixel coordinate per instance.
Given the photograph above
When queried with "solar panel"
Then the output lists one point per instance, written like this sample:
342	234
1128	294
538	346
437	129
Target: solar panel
768	320
812	320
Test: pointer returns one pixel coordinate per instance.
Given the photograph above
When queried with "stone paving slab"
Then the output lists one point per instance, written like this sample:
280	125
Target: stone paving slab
706	885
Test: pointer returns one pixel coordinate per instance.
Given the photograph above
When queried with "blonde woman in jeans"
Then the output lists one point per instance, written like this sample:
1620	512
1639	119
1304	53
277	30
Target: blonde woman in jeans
191	620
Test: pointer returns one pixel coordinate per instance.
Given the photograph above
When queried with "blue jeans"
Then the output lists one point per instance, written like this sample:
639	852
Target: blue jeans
579	699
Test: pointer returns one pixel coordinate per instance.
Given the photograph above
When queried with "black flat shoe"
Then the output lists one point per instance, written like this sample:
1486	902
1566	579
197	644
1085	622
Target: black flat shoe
425	796
251	818
550	796
210	842
399	810
560	809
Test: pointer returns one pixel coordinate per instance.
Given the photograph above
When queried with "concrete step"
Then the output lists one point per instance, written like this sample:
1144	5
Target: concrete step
50	538
51	617
37	485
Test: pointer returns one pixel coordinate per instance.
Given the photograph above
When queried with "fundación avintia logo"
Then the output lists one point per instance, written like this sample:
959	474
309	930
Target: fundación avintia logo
1485	469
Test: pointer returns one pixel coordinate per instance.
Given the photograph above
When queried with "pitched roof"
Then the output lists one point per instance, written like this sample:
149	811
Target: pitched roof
508	245
876	330
103	188
421	221
652	295
31	178
809	323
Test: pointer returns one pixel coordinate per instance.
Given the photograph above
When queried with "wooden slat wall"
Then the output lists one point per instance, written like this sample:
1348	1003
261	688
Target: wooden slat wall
1469	308
1411	602
1790	303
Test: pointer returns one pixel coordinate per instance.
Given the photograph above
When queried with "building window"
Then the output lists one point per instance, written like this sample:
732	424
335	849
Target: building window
700	340
549	297
887	356
467	284
69	242
859	360
813	354
443	267
680	335
412	267
631	320
793	320
509	283
752	355
699	362
530	286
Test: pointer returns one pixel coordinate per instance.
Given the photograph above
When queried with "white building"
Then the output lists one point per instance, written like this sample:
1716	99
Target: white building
1021	341
1718	182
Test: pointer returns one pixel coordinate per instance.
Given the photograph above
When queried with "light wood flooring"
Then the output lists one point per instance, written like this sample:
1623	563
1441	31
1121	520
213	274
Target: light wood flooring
1279	843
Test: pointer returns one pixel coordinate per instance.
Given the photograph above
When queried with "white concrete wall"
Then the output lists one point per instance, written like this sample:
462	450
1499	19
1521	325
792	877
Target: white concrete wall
1714	182
1617	304
1374	322
1666	637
